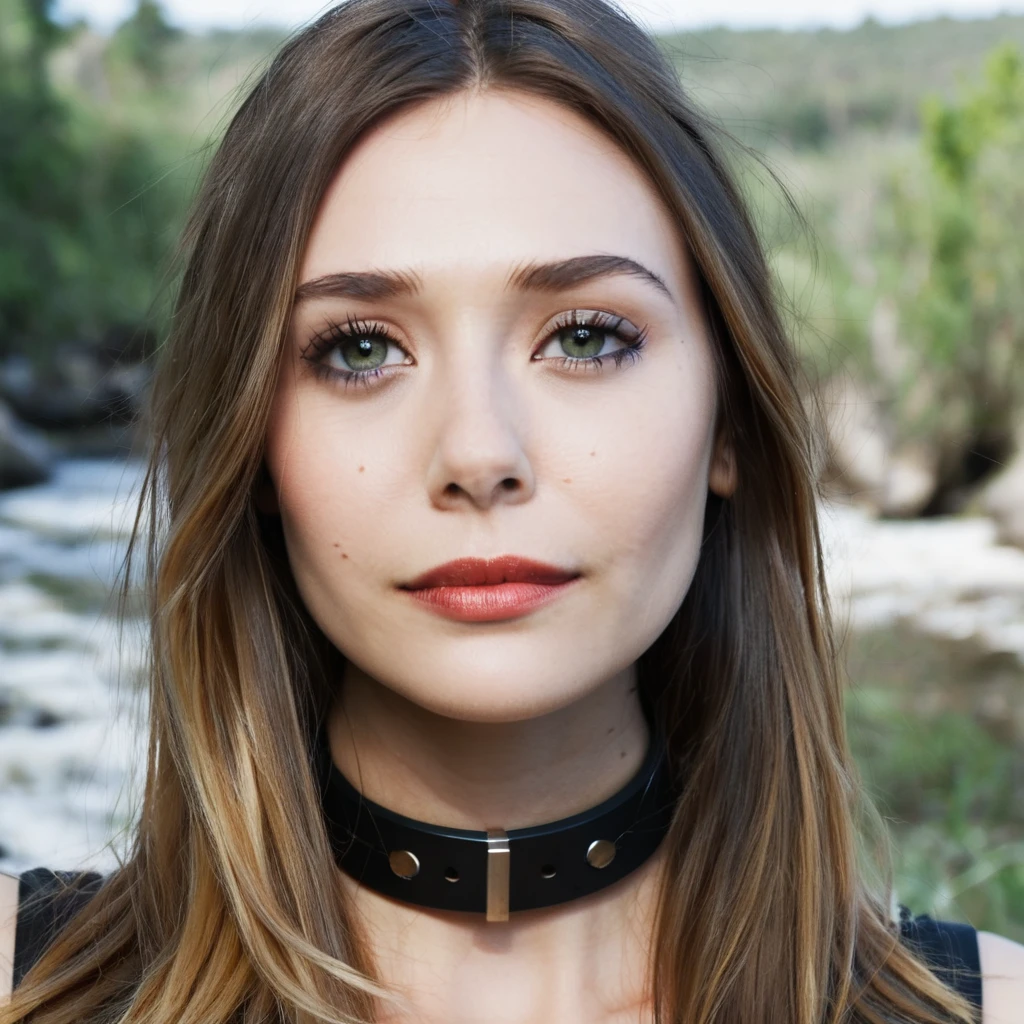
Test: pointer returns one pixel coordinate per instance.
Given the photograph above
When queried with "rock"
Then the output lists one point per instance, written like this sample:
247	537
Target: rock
863	462
1003	499
911	477
25	456
125	345
82	385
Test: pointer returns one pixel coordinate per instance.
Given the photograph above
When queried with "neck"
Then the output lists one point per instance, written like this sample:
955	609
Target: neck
480	775
586	960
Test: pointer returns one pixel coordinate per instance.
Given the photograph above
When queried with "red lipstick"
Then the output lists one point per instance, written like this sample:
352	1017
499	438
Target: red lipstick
487	590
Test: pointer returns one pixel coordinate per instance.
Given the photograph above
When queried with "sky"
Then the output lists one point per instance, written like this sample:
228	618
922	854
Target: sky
657	15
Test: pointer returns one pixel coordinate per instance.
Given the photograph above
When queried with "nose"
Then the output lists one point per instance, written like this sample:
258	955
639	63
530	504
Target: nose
479	457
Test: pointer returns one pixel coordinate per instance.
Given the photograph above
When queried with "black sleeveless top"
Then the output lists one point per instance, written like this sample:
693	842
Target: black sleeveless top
47	900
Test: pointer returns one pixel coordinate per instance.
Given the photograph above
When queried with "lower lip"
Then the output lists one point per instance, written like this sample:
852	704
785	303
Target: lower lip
489	603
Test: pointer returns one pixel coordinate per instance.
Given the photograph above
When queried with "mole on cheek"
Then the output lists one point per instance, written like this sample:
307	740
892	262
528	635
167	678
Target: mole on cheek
593	453
567	480
361	468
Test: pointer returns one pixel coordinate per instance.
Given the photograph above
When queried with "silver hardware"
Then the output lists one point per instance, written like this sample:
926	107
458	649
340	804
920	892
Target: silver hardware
404	863
499	857
600	853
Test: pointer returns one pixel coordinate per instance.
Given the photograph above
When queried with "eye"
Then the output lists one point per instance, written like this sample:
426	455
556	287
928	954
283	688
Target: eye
354	353
362	352
582	338
359	351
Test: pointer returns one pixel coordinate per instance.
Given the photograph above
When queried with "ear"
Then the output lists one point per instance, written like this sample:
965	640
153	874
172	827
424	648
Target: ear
264	493
722	474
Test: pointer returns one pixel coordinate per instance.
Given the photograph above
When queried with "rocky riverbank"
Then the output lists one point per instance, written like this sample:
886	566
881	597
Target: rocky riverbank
69	704
83	400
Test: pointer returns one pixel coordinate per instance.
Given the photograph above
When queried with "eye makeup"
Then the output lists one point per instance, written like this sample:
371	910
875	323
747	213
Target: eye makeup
360	343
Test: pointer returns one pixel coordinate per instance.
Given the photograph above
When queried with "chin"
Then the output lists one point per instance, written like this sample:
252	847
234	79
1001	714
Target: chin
497	702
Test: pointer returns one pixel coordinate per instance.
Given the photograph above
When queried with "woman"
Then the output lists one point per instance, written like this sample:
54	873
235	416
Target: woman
485	500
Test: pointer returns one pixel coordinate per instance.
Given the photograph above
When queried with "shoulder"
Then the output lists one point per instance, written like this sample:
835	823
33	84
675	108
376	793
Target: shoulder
8	923
987	969
1002	968
950	949
45	902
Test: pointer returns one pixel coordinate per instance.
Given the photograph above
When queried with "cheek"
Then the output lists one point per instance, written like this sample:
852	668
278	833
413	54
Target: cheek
330	492
650	493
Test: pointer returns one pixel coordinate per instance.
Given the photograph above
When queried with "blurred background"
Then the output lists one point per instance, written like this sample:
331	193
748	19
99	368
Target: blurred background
900	135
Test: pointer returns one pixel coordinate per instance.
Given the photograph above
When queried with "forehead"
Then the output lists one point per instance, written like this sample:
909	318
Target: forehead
477	181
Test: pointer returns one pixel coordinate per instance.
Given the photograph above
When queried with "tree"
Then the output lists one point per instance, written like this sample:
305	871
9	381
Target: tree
87	210
953	260
36	202
143	38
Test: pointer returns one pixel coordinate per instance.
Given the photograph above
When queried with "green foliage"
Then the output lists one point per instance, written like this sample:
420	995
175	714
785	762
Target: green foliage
86	216
142	41
34	197
805	122
949	248
812	89
948	778
956	136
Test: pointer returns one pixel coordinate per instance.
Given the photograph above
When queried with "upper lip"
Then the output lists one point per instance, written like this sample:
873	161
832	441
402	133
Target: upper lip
469	572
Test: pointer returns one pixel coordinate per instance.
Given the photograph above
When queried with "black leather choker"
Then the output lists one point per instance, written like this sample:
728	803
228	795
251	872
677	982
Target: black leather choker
495	872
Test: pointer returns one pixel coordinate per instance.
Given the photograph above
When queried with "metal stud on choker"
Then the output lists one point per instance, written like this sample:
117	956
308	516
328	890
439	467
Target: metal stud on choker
495	872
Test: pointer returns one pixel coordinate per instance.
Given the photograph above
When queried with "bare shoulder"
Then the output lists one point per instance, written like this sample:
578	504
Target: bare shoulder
1002	983
8	920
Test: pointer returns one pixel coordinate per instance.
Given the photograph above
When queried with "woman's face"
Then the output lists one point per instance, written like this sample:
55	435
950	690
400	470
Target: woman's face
483	425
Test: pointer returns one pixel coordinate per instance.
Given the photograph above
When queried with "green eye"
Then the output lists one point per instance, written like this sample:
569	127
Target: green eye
362	353
582	342
578	340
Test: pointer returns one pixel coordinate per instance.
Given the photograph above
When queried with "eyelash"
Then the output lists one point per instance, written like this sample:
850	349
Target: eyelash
323	343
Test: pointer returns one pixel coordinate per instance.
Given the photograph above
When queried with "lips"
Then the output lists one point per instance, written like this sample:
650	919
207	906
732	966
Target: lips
475	572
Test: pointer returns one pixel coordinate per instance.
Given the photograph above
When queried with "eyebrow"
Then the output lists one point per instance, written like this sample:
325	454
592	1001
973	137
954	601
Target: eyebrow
557	276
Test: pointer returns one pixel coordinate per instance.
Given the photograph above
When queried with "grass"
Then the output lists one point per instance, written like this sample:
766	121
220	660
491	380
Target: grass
932	726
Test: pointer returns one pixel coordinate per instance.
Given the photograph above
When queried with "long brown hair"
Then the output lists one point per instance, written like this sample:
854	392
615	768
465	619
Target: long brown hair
228	907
